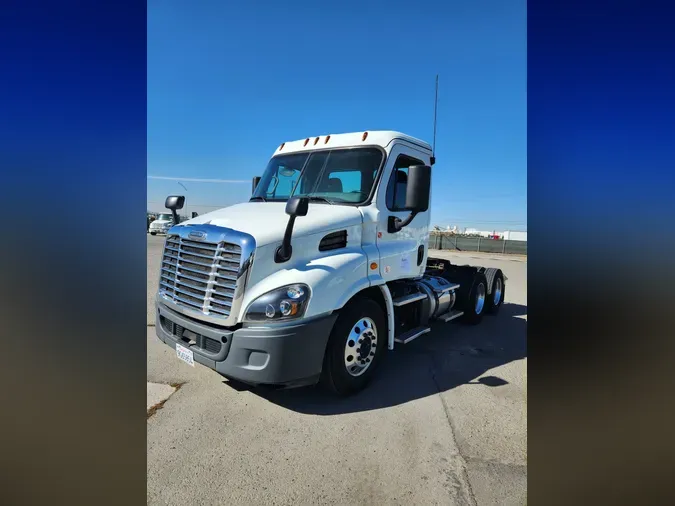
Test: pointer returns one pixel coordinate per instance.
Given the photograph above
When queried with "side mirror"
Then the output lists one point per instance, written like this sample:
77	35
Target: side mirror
194	215
174	202
419	188
297	206
256	180
416	196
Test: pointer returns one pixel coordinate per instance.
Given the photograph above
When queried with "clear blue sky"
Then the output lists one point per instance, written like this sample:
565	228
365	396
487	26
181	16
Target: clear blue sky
228	82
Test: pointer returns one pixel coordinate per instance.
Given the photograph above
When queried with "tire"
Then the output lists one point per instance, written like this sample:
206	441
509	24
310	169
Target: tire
495	300
153	233
473	311
360	317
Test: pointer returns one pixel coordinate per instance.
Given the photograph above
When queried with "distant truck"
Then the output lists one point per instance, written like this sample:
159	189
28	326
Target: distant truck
321	272
162	224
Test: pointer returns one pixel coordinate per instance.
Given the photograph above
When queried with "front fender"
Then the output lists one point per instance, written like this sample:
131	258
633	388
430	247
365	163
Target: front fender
332	279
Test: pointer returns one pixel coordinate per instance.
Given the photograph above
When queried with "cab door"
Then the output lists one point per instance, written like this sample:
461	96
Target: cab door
402	254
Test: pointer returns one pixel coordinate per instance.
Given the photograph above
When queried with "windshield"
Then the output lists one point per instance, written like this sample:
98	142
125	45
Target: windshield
339	176
164	217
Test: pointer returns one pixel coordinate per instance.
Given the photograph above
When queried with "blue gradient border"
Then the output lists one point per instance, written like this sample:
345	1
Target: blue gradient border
73	164
601	165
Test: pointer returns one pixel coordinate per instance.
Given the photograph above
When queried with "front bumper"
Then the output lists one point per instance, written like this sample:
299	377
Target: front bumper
275	355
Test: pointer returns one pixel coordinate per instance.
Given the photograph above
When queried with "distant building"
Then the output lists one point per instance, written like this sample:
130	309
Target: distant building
509	235
514	235
482	233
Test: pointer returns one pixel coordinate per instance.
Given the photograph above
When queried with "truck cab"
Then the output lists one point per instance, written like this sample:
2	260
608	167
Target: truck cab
322	272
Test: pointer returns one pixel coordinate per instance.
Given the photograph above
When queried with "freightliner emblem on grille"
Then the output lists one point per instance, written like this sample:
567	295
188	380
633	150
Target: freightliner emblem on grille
196	234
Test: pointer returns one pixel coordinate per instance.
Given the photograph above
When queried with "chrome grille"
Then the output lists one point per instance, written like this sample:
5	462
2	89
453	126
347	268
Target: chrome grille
201	276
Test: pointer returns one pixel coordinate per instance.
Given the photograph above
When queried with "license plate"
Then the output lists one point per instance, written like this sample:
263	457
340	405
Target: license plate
185	355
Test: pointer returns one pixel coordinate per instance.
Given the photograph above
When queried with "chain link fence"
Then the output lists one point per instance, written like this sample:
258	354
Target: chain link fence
477	244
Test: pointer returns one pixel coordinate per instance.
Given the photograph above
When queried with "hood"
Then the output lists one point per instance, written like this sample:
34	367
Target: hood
266	221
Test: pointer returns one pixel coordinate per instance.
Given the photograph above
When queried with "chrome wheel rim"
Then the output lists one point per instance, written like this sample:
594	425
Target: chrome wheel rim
360	346
480	298
498	291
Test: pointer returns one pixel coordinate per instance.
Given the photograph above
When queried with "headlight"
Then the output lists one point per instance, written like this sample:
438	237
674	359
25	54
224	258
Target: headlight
285	303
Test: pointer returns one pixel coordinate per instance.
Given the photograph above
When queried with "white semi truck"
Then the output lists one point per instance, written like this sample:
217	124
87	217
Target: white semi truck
322	272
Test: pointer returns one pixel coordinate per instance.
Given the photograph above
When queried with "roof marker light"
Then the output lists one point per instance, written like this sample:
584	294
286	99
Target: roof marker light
316	140
365	134
327	139
282	146
306	141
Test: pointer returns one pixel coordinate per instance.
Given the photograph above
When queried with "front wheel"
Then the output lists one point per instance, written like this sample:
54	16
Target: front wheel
153	233
355	347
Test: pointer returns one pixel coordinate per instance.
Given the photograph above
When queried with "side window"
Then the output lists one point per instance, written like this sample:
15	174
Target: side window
398	182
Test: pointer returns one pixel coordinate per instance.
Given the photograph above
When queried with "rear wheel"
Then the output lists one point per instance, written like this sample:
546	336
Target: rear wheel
355	347
496	297
153	233
476	302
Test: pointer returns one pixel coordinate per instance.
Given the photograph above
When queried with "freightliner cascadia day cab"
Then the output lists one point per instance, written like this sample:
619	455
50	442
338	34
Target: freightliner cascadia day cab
321	272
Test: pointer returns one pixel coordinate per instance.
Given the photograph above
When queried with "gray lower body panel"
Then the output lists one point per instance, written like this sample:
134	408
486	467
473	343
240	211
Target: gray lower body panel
289	355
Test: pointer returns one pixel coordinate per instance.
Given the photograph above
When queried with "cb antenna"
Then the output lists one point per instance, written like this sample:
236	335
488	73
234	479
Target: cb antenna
433	151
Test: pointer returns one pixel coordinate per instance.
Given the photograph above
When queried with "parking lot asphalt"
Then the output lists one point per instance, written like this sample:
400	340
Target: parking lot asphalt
444	422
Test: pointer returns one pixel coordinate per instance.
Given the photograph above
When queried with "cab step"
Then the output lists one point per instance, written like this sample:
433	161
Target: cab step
407	299
450	315
406	337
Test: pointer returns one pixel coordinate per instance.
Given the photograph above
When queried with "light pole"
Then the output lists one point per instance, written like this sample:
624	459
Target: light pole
185	198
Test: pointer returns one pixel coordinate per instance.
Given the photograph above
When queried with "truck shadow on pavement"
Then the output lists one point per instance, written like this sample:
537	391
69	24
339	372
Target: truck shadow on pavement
450	355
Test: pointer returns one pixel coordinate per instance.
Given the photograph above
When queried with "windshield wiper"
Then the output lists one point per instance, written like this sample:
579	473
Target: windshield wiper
257	198
316	198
